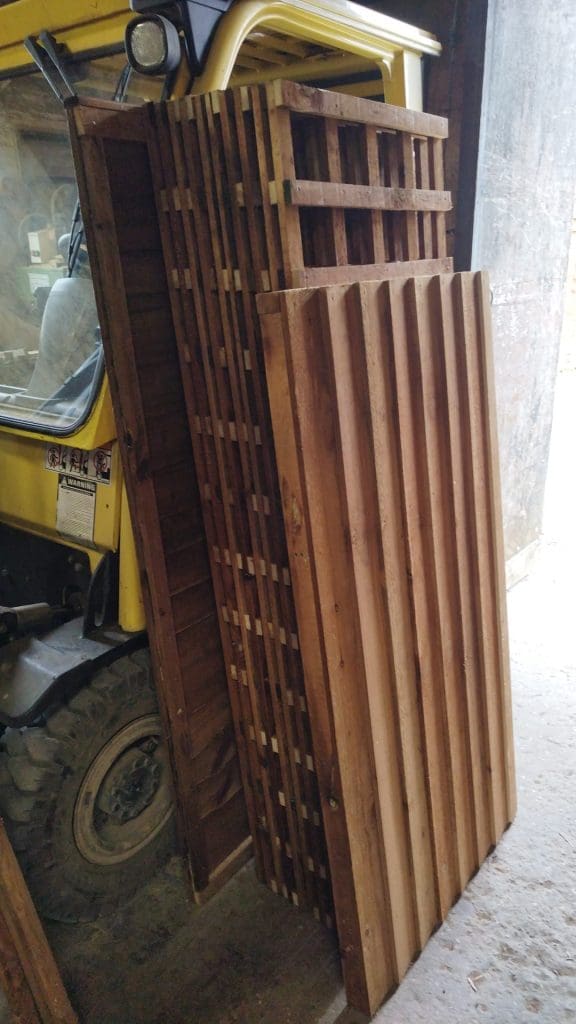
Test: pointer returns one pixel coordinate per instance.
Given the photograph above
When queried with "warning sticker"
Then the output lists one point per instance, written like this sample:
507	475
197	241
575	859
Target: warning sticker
87	465
76	507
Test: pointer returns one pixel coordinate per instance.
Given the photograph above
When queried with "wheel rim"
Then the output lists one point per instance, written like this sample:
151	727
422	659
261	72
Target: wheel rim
125	799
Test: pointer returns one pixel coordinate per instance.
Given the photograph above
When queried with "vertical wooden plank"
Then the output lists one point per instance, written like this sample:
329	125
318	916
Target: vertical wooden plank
31	978
381	389
404	318
480	551
458	509
283	163
368	959
377	217
443	593
394	171
287	427
437	182
408	164
257	100
423	175
345	321
334	168
487	387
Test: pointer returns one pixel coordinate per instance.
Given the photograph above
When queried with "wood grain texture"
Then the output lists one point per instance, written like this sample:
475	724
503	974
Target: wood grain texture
184	289
382	408
138	333
28	972
230	229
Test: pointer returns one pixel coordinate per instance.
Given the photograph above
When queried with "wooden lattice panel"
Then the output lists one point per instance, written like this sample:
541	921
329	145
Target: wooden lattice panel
384	425
259	188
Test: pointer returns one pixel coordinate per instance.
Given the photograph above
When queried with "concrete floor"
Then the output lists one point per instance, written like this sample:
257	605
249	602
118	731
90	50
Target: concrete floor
507	953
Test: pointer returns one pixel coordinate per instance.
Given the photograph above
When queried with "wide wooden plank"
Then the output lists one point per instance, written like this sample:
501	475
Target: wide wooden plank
311	277
384	436
28	972
365	197
324	103
301	391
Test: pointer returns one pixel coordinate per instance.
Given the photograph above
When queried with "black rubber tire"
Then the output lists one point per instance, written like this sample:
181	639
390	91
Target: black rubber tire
41	771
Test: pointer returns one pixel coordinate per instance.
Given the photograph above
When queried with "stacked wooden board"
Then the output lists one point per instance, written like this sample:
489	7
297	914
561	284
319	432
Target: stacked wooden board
261	188
366	670
382	408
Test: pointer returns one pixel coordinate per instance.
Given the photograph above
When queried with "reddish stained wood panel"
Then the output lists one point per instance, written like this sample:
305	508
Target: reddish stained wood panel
383	415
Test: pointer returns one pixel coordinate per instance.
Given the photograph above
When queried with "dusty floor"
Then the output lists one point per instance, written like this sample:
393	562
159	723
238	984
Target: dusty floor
506	955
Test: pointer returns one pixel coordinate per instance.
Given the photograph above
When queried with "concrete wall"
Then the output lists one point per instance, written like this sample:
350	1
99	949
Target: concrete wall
507	81
522	220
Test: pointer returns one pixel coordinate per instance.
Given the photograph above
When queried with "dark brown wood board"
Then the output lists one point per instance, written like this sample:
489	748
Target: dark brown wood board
382	407
28	972
117	198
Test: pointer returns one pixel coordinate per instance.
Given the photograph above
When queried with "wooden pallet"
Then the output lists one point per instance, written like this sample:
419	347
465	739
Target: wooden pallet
260	188
385	433
116	192
28	972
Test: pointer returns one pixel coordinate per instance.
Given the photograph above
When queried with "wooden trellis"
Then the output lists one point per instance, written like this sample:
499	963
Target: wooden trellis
394	790
261	188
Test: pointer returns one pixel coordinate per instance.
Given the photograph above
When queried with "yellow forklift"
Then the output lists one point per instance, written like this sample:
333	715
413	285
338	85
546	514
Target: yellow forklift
84	775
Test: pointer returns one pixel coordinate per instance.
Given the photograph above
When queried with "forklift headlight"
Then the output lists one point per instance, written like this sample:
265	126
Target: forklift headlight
153	45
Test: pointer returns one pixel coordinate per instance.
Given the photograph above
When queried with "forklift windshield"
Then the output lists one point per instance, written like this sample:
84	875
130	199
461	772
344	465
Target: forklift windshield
51	361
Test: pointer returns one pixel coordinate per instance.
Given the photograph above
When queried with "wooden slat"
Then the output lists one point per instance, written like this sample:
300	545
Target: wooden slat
423	177
365	197
331	711
310	277
383	420
374	175
28	972
324	103
408	161
334	172
487	379
439	224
